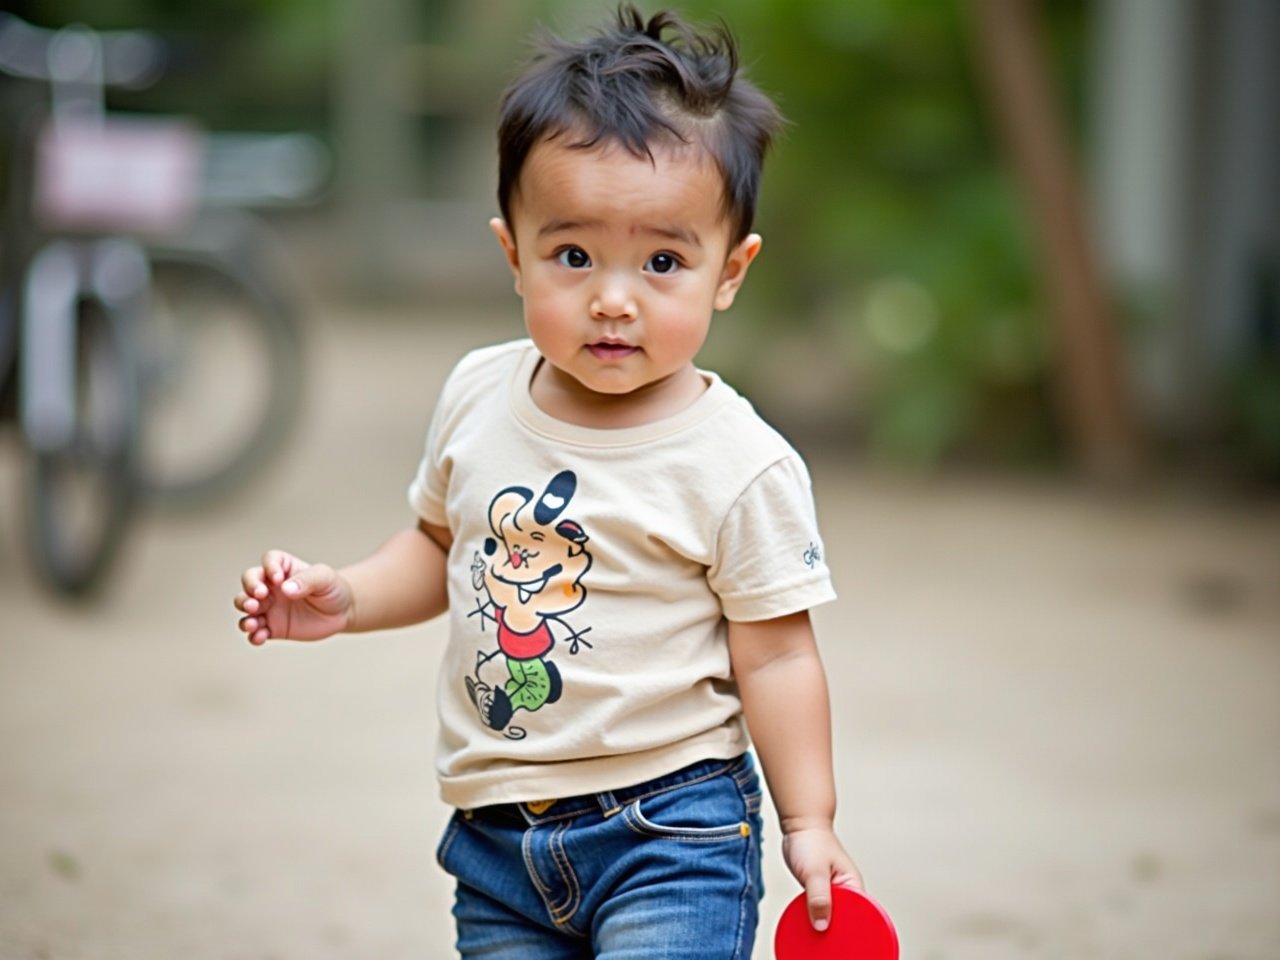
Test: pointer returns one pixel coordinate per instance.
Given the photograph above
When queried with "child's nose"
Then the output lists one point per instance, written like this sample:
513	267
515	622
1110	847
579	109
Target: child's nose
612	299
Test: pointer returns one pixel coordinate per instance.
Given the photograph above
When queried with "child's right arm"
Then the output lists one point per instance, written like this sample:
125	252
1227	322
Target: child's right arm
401	583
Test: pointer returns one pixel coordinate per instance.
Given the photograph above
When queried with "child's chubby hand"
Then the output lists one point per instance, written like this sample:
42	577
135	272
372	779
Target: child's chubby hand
816	858
286	598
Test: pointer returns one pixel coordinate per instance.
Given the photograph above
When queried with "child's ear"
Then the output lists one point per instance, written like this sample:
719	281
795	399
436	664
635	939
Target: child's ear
735	270
508	241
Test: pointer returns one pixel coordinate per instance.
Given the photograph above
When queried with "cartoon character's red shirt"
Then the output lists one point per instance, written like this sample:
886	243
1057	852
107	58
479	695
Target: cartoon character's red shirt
523	646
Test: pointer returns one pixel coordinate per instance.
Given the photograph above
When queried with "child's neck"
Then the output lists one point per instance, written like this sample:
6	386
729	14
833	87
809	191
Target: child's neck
559	395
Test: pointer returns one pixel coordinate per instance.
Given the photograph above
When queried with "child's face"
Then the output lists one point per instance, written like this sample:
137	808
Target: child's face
621	263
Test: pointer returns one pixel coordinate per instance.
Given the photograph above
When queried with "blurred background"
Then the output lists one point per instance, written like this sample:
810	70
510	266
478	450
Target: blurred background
909	231
1019	305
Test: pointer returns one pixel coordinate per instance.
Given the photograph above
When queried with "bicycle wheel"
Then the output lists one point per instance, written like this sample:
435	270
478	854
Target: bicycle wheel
80	493
222	373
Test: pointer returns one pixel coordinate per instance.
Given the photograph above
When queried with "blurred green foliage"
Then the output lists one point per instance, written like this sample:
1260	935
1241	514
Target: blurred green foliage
894	237
234	64
896	280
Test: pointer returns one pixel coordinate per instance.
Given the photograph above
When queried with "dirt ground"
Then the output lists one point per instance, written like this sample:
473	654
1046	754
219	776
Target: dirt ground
1057	711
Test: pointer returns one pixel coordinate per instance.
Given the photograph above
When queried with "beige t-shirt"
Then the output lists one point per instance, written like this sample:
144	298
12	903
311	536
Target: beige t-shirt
590	578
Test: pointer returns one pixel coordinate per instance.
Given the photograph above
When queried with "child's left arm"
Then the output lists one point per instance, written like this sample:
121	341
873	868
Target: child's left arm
784	697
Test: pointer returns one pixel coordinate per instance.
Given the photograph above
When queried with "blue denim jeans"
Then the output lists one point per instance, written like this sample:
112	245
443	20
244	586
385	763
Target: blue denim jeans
658	871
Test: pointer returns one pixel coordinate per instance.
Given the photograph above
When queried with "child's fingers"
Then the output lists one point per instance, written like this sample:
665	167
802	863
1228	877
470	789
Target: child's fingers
255	630
304	582
817	894
254	582
273	566
277	565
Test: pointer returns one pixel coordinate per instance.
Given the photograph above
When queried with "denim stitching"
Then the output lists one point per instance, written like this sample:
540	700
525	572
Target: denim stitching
748	884
562	915
573	899
740	771
526	845
446	842
748	786
638	823
751	848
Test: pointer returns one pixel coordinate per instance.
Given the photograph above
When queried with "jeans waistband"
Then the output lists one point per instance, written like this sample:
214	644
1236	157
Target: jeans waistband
609	802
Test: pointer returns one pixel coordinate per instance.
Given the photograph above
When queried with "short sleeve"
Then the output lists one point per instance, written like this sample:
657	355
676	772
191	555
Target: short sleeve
769	555
429	484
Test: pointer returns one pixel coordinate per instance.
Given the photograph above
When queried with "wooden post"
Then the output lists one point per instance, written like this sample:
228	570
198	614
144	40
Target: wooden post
1092	389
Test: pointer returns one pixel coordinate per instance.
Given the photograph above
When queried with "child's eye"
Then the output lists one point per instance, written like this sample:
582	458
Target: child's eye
663	263
573	257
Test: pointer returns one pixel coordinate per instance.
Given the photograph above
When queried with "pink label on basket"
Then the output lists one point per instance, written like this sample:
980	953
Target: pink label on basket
133	175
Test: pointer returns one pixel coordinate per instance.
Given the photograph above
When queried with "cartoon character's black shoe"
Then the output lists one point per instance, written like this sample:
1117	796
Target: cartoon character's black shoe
494	706
555	686
496	709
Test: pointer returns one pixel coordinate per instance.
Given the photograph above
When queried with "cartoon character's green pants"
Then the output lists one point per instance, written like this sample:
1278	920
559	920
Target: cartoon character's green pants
533	683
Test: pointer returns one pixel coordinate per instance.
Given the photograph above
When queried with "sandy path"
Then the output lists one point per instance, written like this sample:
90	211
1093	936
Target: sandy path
1058	716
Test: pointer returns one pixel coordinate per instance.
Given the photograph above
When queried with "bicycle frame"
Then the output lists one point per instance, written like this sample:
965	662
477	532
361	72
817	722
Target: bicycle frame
114	272
77	188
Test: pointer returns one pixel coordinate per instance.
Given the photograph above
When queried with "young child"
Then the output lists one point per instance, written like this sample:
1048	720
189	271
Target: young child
626	551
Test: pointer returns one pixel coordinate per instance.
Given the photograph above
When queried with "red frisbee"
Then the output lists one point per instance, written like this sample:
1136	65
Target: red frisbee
860	930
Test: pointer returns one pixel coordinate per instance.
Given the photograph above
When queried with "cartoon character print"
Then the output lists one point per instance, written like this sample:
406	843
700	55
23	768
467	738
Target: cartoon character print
529	576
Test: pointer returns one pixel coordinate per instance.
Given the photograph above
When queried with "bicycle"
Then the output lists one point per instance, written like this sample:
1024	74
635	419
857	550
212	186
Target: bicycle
109	298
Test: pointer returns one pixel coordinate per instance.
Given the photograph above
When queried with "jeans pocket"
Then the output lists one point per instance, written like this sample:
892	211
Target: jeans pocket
710	811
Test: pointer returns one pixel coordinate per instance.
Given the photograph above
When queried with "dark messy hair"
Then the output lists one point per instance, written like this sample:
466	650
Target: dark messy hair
631	85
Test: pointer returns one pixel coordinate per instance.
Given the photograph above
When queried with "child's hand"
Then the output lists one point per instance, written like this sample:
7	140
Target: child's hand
815	858
286	598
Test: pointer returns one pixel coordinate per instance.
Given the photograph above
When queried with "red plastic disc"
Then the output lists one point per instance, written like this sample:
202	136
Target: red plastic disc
860	930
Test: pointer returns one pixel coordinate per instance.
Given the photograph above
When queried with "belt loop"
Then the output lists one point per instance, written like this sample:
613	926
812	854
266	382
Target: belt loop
608	803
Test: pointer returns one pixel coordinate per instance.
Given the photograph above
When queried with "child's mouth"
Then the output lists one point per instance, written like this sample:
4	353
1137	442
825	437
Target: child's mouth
611	351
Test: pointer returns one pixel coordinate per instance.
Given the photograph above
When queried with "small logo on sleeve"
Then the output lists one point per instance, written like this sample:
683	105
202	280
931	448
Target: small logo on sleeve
813	556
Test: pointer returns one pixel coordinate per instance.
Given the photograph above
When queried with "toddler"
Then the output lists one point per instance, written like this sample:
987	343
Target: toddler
627	553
